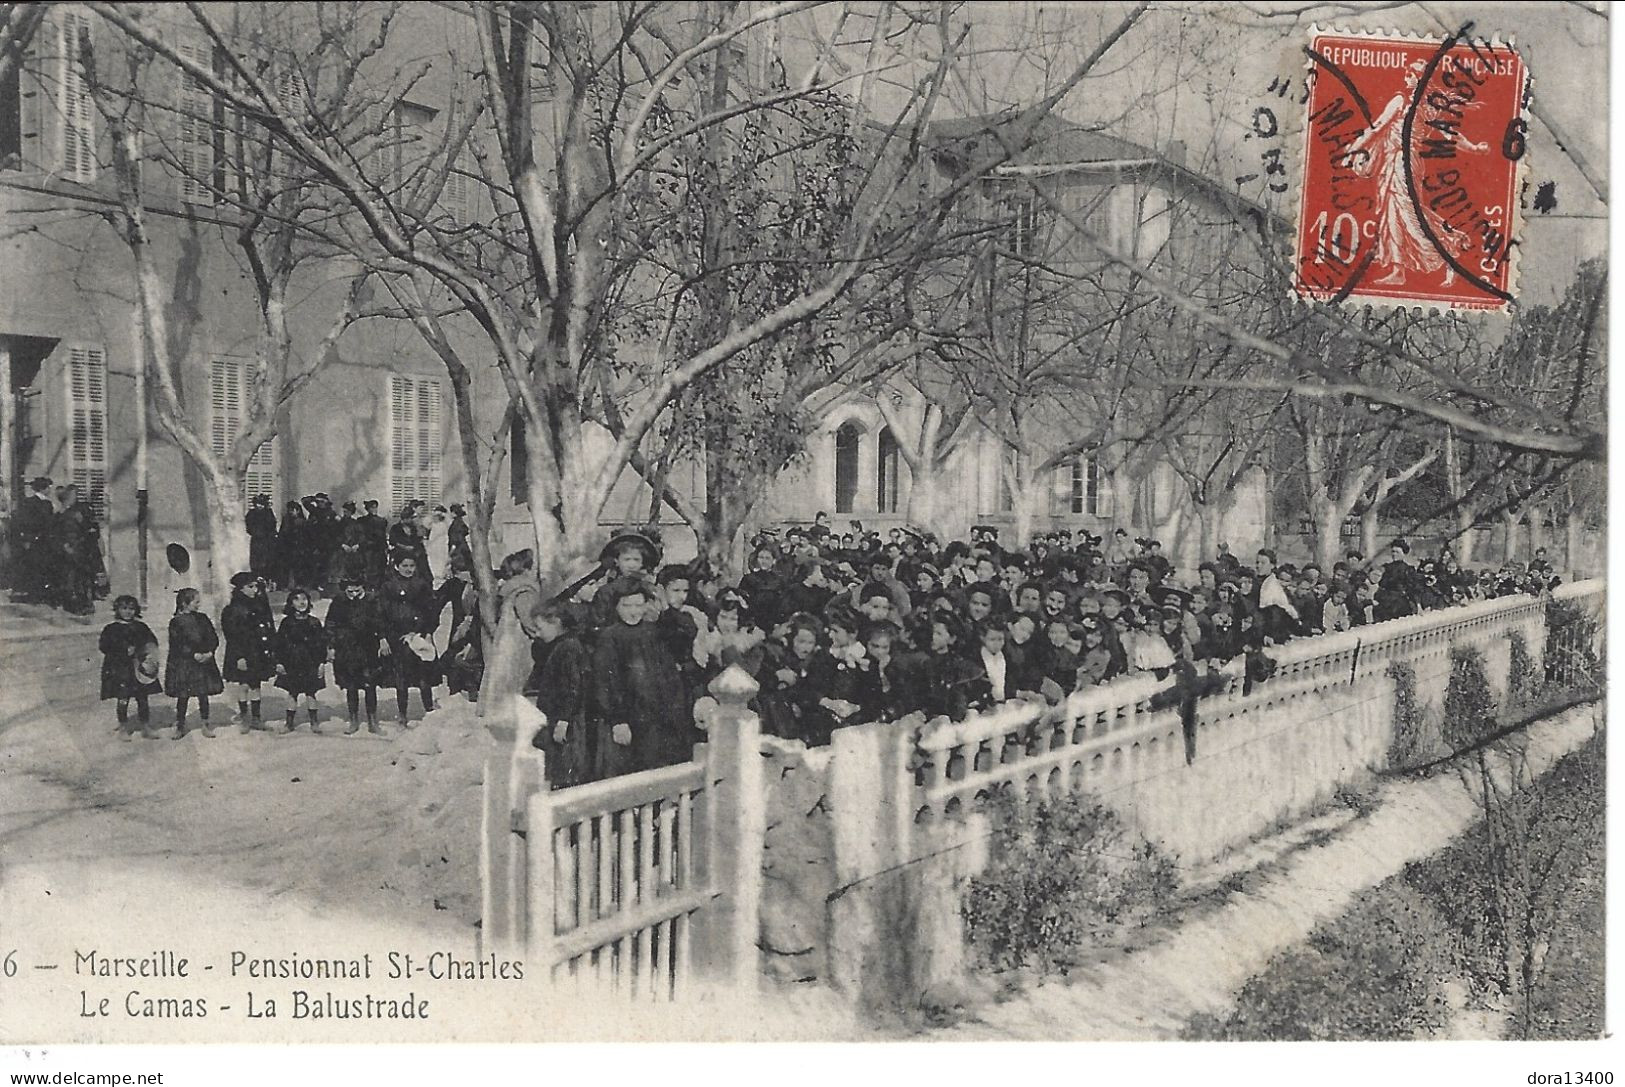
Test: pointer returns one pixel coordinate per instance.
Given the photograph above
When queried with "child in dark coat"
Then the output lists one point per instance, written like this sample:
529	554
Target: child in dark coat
563	685
638	690
301	650
250	634
129	665
355	631
192	671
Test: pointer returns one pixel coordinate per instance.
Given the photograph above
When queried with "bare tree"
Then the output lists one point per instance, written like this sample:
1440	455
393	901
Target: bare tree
269	211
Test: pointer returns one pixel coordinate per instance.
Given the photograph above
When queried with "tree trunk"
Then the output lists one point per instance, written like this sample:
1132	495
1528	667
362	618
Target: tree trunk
1025	497
1509	544
926	506
1328	522
1368	530
224	512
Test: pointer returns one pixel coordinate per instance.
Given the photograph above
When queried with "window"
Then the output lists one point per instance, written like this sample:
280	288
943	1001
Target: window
1023	236
886	473
846	466
414	439
11	116
77	113
87	424
1078	486
518	464
457	197
229	392
194	142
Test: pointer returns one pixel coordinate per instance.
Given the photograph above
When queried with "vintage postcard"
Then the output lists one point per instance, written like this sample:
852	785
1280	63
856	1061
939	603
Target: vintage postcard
807	522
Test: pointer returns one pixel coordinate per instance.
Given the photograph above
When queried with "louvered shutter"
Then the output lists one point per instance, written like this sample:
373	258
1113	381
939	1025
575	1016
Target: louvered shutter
429	440
194	142
76	110
228	404
414	439
457	198
87	413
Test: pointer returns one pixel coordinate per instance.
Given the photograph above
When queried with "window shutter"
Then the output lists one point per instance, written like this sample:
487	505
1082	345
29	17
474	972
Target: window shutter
194	144
228	404
429	440
398	392
77	113
87	407
457	198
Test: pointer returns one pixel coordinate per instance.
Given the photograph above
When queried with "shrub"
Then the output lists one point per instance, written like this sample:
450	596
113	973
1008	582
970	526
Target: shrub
1571	660
1524	680
1410	742
1065	874
1470	715
1374	973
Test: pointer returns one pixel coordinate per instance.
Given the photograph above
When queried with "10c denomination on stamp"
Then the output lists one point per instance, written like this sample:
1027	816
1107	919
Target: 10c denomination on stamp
1412	171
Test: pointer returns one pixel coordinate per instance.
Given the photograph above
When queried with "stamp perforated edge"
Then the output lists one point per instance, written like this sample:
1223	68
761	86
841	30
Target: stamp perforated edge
1520	181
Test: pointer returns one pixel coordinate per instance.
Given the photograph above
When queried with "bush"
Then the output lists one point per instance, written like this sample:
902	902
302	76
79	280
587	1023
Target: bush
1570	635
1524	681
1470	714
1374	973
1410	743
1065	874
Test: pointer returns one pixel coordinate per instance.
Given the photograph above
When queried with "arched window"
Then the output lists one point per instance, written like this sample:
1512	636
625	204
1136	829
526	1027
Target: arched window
846	466
886	473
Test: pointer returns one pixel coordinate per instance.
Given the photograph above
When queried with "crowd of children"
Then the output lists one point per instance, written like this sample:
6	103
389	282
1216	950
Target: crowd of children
836	630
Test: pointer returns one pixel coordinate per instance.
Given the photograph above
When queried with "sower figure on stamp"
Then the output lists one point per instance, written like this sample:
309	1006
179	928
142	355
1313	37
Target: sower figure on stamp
1402	244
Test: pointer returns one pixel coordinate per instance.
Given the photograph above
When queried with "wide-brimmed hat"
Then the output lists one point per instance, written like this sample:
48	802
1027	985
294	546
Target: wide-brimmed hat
622	540
243	578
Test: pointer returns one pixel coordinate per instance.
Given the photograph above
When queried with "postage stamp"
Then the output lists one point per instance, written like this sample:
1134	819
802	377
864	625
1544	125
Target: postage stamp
1413	163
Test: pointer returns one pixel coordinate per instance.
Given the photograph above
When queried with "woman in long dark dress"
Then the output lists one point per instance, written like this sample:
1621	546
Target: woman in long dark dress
129	651
261	525
301	650
79	546
355	630
250	645
292	542
191	671
638	691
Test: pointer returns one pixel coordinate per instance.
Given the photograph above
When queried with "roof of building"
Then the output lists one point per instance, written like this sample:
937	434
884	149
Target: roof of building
962	142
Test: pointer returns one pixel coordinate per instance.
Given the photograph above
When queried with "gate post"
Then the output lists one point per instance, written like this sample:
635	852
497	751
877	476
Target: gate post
513	772
726	933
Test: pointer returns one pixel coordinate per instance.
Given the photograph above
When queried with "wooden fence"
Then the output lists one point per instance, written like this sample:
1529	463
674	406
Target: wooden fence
647	884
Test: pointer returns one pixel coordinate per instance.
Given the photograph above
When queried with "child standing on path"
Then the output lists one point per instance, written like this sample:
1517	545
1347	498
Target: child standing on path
250	634
192	671
129	665
356	633
301	650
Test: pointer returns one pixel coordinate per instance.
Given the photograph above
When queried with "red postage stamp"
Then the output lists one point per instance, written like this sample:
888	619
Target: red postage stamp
1412	165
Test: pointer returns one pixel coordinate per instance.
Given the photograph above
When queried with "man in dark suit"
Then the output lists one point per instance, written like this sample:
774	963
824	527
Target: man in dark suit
31	535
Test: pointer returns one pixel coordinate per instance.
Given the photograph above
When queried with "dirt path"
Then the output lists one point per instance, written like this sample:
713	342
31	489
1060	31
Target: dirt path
1150	994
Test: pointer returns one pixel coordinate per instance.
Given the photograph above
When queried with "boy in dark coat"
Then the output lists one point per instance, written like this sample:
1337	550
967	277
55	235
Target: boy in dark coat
250	646
355	630
261	525
128	665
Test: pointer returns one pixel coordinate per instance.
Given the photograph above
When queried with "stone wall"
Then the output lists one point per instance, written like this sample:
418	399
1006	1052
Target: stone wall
894	803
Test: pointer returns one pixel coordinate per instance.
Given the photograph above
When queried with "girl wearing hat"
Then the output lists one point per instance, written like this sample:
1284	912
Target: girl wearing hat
191	671
301	650
129	665
250	646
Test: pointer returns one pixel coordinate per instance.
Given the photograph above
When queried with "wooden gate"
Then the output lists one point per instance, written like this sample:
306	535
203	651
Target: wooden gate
646	884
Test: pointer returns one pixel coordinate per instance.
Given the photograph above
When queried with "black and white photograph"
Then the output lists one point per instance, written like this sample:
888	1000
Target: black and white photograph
719	520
